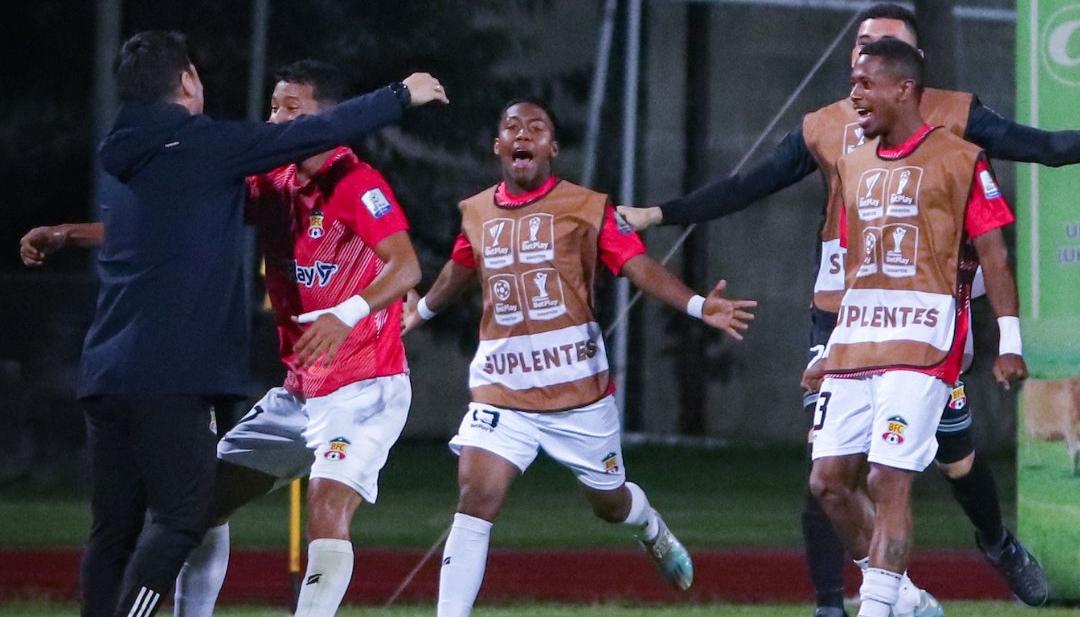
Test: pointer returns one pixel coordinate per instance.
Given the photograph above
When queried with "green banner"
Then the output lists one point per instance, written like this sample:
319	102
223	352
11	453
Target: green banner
1048	275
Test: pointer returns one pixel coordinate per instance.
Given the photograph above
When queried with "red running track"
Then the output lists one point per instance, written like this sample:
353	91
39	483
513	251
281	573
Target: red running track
260	576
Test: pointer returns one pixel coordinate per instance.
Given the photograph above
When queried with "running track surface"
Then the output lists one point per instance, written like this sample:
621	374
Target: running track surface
260	576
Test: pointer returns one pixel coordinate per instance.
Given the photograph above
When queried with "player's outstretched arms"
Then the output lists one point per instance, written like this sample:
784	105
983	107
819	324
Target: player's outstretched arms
40	242
641	218
731	316
1009	367
718	312
330	327
453	279
424	88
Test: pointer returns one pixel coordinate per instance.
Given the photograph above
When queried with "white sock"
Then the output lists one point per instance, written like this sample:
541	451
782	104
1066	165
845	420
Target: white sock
642	515
464	560
909	595
200	579
329	570
879	592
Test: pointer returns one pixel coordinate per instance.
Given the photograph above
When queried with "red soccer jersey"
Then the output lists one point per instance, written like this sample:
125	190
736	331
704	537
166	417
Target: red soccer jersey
318	242
986	211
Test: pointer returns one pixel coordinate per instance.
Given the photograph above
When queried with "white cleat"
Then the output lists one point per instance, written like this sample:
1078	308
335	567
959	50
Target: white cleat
915	602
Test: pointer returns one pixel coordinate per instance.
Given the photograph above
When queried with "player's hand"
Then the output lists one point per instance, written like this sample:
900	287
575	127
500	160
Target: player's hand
39	243
640	218
1009	368
321	341
813	376
731	316
410	317
424	88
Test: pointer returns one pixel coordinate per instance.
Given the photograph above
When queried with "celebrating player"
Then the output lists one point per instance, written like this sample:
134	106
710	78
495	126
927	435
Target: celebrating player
822	138
540	379
337	254
908	203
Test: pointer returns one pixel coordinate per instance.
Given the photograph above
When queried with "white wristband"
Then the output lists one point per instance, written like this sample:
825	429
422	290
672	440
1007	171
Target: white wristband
695	305
423	310
350	312
1009	336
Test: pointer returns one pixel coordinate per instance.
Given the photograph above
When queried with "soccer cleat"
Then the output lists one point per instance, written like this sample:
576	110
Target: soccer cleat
915	602
829	611
1021	570
670	556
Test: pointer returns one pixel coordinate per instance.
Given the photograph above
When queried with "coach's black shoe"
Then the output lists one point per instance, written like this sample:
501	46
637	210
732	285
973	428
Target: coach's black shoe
829	611
1021	570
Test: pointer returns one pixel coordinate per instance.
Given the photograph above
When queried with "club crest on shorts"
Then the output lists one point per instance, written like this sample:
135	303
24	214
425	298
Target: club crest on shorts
611	463
958	398
895	432
315	224
338	446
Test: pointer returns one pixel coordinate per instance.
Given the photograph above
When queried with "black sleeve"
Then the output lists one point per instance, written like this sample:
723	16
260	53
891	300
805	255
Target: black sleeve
248	148
1007	140
789	162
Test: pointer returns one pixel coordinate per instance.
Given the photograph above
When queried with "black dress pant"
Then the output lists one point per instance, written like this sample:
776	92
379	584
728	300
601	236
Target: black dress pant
149	456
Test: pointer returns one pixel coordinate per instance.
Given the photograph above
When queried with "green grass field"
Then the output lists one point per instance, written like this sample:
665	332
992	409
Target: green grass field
957	609
738	497
1049	505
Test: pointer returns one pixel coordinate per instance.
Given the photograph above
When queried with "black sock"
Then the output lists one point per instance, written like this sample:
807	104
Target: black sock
824	555
977	494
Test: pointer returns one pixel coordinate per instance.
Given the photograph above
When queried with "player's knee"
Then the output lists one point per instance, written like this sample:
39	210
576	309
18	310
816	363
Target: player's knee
331	506
888	485
479	500
954	447
610	506
957	469
825	487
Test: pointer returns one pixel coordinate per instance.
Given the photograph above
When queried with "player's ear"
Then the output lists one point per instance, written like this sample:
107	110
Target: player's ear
554	148
495	147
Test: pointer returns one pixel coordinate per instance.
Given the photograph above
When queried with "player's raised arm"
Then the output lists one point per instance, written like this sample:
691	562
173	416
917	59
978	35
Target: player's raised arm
731	316
40	242
788	163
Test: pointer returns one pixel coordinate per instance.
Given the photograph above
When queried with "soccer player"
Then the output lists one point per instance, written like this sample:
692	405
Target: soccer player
540	379
337	254
822	138
908	203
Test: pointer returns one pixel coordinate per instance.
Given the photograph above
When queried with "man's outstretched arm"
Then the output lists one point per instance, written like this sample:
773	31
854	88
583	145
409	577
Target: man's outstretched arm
40	242
788	163
453	279
1004	139
731	316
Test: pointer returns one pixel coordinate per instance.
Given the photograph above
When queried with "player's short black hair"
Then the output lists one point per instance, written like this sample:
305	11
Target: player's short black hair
899	58
149	65
328	84
539	103
892	11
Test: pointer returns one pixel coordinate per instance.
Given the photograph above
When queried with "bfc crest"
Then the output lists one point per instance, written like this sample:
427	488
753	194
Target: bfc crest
315	224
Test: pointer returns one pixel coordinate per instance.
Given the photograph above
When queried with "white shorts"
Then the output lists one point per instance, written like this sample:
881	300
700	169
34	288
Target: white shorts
891	417
343	436
586	440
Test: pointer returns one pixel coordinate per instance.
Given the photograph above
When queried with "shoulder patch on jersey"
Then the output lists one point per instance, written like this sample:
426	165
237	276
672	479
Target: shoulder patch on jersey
376	203
989	187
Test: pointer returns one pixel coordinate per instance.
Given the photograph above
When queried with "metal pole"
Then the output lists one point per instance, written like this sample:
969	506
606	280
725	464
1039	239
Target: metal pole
599	87
260	23
626	191
107	43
